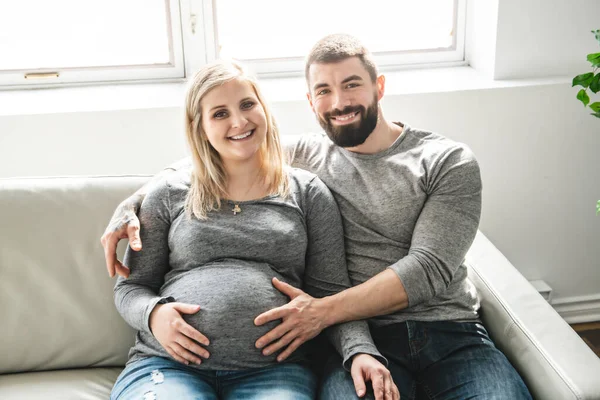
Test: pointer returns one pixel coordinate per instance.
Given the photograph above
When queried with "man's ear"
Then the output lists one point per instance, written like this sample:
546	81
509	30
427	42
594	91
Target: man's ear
310	101
380	86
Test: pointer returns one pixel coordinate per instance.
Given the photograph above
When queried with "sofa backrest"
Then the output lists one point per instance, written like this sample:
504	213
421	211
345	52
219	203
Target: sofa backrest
56	298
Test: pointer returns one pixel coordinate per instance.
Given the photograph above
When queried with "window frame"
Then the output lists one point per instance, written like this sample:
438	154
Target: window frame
386	61
74	76
194	42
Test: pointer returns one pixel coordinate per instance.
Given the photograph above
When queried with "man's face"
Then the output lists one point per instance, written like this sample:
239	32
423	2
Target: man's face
344	100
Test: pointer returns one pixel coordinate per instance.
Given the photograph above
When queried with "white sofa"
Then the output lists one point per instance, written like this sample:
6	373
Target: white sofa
61	337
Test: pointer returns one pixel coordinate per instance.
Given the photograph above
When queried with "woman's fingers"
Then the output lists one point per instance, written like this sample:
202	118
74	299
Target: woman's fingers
185	354
192	346
176	356
193	333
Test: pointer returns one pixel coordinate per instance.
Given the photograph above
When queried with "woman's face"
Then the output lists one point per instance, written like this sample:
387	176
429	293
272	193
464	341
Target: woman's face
234	121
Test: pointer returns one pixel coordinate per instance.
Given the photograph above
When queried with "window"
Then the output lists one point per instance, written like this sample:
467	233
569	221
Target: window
69	41
280	33
43	43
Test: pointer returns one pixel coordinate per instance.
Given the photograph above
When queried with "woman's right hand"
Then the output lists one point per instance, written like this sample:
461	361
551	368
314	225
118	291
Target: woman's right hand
177	337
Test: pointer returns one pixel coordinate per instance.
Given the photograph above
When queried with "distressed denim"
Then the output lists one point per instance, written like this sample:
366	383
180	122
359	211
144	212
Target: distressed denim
435	360
157	378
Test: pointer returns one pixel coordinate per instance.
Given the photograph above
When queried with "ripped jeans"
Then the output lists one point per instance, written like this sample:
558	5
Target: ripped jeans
158	378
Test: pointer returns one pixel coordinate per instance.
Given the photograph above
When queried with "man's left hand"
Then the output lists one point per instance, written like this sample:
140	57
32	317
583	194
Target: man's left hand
366	368
301	321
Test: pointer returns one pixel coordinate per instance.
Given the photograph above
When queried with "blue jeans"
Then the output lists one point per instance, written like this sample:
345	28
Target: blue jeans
158	378
435	360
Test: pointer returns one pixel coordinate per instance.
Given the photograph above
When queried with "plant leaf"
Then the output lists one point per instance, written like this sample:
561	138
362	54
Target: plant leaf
595	106
598	207
596	114
595	83
583	97
597	35
583	80
593	57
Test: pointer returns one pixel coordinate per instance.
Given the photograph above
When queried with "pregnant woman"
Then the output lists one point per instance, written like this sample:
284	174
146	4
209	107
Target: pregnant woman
214	236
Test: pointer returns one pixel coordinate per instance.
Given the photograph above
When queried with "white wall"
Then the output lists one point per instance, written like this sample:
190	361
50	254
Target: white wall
545	37
538	152
481	35
88	143
537	146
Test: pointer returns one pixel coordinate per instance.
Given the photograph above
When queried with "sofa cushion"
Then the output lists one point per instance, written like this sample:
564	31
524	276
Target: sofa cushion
57	299
552	359
70	384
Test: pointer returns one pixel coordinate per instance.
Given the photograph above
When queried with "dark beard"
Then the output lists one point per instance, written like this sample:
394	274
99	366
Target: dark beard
355	133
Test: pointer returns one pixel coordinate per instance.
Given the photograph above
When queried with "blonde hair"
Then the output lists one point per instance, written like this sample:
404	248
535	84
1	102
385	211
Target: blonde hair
209	178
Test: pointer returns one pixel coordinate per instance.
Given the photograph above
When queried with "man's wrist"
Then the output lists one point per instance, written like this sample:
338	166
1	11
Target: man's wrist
135	202
327	308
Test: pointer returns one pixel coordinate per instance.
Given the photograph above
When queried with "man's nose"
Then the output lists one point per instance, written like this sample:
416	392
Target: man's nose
340	101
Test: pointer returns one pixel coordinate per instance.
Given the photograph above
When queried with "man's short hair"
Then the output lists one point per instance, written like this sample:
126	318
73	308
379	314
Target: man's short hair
338	47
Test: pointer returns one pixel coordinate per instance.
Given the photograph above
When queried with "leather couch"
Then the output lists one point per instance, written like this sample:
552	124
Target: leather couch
62	338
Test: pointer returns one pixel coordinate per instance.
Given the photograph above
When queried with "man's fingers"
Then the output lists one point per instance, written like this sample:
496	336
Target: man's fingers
290	349
281	343
110	253
359	381
378	386
286	289
121	269
133	232
388	384
272	335
271	315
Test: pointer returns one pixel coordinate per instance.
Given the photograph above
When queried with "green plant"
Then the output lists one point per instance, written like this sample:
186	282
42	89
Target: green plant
590	80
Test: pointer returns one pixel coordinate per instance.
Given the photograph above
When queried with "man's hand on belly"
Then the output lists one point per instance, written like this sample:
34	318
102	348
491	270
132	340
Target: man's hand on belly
175	335
301	319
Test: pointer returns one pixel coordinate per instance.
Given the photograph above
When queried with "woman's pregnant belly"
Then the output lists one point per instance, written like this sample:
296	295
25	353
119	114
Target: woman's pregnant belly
230	293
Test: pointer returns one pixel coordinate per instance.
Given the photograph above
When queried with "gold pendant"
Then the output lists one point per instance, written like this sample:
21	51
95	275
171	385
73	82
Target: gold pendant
236	209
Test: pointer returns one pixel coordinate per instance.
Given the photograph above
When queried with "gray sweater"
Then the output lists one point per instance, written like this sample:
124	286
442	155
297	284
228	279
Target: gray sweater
225	264
414	208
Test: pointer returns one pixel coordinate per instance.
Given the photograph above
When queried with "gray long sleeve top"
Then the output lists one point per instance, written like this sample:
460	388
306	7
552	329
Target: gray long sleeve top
414	208
225	264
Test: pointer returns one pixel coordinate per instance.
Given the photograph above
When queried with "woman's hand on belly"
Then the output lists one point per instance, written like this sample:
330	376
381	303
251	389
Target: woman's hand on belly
177	337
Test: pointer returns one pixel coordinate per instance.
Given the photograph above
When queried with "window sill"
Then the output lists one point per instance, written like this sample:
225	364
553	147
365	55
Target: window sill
276	90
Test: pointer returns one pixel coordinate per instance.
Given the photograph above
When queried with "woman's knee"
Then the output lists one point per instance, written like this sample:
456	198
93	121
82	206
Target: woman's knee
157	378
283	381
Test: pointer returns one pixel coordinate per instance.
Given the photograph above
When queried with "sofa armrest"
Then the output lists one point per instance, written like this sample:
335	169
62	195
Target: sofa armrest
553	360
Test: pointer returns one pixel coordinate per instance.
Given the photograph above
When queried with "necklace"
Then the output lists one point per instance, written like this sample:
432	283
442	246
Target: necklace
236	205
